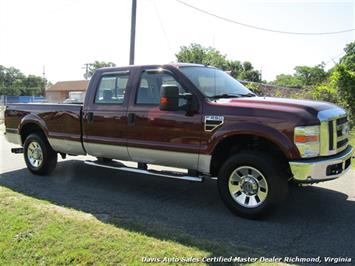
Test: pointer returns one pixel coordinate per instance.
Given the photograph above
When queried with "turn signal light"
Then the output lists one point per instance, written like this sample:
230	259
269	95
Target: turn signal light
163	101
304	139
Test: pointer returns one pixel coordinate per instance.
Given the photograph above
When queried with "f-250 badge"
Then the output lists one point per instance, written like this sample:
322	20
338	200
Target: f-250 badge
213	121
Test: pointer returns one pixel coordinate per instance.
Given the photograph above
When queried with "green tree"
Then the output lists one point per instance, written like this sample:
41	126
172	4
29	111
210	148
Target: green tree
249	73
342	78
345	84
303	76
349	58
235	68
337	86
14	83
311	75
197	54
96	65
286	80
33	85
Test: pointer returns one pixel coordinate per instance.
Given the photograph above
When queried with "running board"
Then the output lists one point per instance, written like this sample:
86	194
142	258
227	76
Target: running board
147	172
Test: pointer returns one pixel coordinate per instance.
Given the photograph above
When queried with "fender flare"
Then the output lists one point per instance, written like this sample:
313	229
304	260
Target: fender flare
33	119
282	141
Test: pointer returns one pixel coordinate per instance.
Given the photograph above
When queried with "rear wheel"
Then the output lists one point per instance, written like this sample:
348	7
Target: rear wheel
40	158
251	183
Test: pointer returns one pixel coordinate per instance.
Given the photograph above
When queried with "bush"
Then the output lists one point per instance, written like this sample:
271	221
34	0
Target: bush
327	92
254	87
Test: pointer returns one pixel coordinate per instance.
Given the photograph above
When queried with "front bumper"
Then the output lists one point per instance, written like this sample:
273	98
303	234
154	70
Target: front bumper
323	168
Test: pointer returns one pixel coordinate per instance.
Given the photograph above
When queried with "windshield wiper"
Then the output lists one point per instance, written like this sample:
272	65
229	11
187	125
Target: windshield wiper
228	95
224	95
248	95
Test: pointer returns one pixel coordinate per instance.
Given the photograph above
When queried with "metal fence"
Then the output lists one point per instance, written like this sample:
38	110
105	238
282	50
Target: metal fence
20	99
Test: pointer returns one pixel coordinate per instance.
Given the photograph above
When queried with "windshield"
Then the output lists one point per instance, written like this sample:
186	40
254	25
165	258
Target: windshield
215	83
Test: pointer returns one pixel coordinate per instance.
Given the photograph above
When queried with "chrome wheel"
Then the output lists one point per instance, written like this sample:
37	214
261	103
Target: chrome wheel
248	186
35	154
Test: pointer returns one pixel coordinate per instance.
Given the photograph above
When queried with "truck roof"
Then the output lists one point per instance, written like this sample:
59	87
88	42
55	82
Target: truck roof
176	65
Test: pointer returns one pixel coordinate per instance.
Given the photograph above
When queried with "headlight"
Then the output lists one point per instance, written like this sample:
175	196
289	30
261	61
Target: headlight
307	141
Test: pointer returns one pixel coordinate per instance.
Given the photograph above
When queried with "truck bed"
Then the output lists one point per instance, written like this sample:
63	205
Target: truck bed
60	122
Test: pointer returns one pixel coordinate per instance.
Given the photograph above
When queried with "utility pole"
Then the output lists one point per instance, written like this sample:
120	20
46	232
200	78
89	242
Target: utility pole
44	80
86	70
44	75
133	32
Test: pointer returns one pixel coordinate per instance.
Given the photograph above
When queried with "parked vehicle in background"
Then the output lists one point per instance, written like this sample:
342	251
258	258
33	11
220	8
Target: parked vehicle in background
77	96
193	117
72	101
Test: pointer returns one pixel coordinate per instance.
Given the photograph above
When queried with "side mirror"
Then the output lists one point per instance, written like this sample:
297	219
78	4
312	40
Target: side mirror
169	98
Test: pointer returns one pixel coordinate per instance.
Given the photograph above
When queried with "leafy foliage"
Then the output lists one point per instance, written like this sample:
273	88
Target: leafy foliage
14	83
248	73
349	58
254	87
287	80
195	53
303	76
96	65
336	86
344	77
311	75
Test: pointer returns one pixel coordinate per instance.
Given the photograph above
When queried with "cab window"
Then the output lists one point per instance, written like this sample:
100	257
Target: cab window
111	89
148	92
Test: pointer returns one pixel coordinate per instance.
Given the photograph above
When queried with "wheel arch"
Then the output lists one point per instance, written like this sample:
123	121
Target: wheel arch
32	124
237	141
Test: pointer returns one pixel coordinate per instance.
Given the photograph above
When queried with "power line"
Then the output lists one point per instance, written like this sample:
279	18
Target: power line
260	28
332	59
162	27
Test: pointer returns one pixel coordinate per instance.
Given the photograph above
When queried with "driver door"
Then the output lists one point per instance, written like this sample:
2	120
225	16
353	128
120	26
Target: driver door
170	138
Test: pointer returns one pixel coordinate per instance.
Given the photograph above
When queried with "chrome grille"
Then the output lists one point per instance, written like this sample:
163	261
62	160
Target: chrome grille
342	132
334	131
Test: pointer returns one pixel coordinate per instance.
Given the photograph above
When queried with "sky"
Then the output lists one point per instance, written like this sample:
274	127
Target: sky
60	36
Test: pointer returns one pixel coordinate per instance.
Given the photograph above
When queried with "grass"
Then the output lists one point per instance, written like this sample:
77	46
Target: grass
36	232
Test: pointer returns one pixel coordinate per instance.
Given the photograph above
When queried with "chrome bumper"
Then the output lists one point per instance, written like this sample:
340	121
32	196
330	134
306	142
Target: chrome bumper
322	169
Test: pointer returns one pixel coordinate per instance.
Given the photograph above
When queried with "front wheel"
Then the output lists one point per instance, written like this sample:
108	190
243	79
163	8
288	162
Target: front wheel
251	182
40	158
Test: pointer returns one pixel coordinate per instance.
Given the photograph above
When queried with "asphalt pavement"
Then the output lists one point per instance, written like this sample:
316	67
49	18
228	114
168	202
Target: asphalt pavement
318	220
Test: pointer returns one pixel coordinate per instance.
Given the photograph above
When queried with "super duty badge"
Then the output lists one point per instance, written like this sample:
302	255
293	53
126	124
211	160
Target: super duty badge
213	121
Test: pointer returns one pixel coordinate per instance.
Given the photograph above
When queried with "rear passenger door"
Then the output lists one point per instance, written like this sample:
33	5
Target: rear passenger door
105	117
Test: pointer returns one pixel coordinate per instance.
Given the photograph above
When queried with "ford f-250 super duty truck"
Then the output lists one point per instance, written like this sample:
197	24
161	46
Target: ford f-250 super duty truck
192	117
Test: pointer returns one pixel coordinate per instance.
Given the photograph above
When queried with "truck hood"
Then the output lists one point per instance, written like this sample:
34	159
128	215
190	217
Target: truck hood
306	111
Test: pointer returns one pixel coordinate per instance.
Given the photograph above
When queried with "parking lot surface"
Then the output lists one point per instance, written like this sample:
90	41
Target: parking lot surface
318	220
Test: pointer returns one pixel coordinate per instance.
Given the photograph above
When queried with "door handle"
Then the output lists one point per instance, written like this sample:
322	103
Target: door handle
131	119
90	117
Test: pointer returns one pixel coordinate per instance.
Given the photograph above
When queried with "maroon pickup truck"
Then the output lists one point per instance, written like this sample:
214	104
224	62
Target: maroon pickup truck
193	117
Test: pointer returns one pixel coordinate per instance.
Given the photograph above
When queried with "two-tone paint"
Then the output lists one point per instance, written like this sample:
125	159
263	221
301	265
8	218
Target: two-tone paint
144	133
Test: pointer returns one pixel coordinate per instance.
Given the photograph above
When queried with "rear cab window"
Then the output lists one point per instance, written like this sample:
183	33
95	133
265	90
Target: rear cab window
111	89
